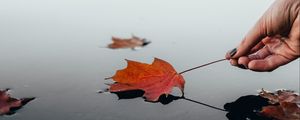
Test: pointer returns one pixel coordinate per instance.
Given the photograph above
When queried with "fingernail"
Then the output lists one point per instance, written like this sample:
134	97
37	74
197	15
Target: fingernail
233	52
242	66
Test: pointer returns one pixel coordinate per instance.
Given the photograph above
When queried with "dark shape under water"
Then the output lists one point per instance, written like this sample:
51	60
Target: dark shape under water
129	94
166	99
246	108
163	99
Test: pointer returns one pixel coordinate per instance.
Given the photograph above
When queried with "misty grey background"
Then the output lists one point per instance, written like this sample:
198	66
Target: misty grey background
52	50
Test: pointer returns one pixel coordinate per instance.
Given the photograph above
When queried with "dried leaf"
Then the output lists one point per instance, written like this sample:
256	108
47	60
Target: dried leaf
284	105
154	79
132	42
8	104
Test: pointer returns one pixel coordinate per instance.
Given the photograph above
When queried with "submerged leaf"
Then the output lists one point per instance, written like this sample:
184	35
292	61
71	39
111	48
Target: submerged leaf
154	79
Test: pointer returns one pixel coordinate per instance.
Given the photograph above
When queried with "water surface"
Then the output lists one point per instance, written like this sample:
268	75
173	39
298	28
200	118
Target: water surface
52	50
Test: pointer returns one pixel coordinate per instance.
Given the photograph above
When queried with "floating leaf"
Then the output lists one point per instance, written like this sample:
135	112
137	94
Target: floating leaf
284	105
8	104
132	42
154	79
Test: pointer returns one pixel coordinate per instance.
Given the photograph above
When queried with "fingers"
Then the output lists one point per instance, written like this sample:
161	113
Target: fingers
233	62
268	64
257	47
263	60
257	52
260	54
276	20
280	19
230	53
243	61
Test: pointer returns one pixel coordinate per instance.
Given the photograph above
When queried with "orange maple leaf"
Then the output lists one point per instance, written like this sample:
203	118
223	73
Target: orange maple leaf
154	79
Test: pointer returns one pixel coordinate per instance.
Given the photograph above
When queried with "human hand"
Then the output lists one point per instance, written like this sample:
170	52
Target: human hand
273	41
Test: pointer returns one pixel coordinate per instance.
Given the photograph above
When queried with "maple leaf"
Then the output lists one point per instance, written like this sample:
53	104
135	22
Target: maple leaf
284	105
154	79
132	42
8	104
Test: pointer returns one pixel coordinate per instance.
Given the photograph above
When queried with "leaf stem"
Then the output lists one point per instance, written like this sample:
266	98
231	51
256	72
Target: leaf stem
202	66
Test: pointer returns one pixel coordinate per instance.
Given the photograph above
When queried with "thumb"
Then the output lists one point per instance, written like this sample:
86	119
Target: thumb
250	41
253	37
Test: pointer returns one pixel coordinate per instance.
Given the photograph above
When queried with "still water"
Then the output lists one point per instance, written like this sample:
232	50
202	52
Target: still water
52	50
